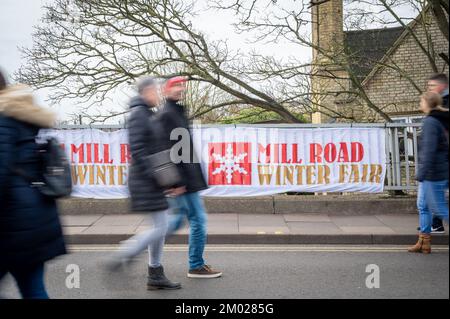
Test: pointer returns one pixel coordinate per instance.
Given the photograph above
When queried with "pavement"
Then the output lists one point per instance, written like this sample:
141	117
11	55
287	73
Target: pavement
388	229
256	272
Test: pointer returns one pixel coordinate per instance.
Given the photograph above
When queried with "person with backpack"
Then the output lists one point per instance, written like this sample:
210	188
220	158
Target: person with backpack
432	172
151	177
30	229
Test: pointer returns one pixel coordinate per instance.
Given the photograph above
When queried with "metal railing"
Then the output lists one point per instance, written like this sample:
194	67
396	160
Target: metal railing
401	146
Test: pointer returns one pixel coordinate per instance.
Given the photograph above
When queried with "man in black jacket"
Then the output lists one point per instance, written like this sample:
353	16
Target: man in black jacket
438	83
146	194
173	117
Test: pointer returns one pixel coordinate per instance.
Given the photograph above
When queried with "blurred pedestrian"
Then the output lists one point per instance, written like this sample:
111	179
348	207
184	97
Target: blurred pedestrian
187	205
30	229
438	83
432	173
146	194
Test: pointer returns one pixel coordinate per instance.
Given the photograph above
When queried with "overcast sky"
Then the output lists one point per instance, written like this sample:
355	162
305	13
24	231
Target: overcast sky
17	18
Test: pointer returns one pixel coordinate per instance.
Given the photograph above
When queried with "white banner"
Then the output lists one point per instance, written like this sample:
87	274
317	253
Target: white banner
241	161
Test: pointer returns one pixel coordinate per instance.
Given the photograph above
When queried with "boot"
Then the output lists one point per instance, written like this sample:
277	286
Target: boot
157	280
423	245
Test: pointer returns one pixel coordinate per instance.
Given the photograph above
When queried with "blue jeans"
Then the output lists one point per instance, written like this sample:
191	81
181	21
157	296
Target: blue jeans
190	206
30	281
431	201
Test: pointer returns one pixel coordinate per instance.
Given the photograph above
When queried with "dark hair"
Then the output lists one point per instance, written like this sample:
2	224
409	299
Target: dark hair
2	81
439	77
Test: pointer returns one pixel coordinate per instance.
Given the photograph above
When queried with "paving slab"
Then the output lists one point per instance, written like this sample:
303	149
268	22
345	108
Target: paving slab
79	220
306	218
313	228
234	228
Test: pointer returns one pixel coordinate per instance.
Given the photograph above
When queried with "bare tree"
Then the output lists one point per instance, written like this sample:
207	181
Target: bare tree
360	15
85	49
88	48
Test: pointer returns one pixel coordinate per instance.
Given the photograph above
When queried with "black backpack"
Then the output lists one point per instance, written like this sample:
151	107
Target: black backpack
55	178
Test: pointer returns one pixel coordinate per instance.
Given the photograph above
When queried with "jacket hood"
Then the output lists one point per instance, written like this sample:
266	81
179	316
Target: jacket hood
139	101
441	116
17	102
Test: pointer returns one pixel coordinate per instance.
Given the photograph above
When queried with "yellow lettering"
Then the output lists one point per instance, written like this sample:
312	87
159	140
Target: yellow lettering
342	173
365	173
323	174
354	174
310	173
289	175
300	170
278	175
264	174
101	174
78	173
91	174
375	173
111	169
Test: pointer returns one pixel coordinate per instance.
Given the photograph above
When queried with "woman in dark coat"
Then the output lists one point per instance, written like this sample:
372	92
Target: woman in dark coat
30	230
146	195
432	172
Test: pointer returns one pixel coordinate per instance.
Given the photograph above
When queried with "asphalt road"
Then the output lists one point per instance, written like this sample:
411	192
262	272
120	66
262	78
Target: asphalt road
257	272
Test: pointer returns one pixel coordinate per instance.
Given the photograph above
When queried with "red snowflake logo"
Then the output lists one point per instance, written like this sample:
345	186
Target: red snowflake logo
229	164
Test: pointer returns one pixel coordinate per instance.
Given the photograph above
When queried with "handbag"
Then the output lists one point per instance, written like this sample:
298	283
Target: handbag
165	172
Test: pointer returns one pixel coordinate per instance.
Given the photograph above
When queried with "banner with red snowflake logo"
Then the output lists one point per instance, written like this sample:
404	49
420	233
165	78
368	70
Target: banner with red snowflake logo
240	161
249	161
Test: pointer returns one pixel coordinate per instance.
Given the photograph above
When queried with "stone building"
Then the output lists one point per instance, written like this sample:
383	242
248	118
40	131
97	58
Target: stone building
388	63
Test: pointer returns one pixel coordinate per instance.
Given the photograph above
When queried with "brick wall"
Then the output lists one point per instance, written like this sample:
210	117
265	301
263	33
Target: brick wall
387	89
392	92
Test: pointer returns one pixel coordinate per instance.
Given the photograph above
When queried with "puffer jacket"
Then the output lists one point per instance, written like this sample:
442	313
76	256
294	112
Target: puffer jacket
433	150
30	229
145	194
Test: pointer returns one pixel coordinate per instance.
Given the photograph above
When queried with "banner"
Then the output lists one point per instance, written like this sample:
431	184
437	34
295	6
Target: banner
239	161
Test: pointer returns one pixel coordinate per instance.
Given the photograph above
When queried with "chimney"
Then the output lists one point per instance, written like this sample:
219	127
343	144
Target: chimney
328	37
327	26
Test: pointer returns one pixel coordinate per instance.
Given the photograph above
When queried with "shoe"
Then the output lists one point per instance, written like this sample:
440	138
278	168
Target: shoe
158	280
204	272
423	245
437	230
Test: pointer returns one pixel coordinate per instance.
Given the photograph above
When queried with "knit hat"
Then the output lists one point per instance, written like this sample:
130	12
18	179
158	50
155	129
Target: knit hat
175	80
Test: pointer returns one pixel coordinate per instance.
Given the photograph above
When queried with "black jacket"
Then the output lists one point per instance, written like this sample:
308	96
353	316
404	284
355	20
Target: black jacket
433	150
30	229
174	116
146	195
445	100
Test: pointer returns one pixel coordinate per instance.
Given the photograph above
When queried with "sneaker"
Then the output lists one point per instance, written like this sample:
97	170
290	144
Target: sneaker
204	272
437	230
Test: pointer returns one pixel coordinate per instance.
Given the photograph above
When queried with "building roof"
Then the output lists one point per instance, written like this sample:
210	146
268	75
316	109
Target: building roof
367	47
